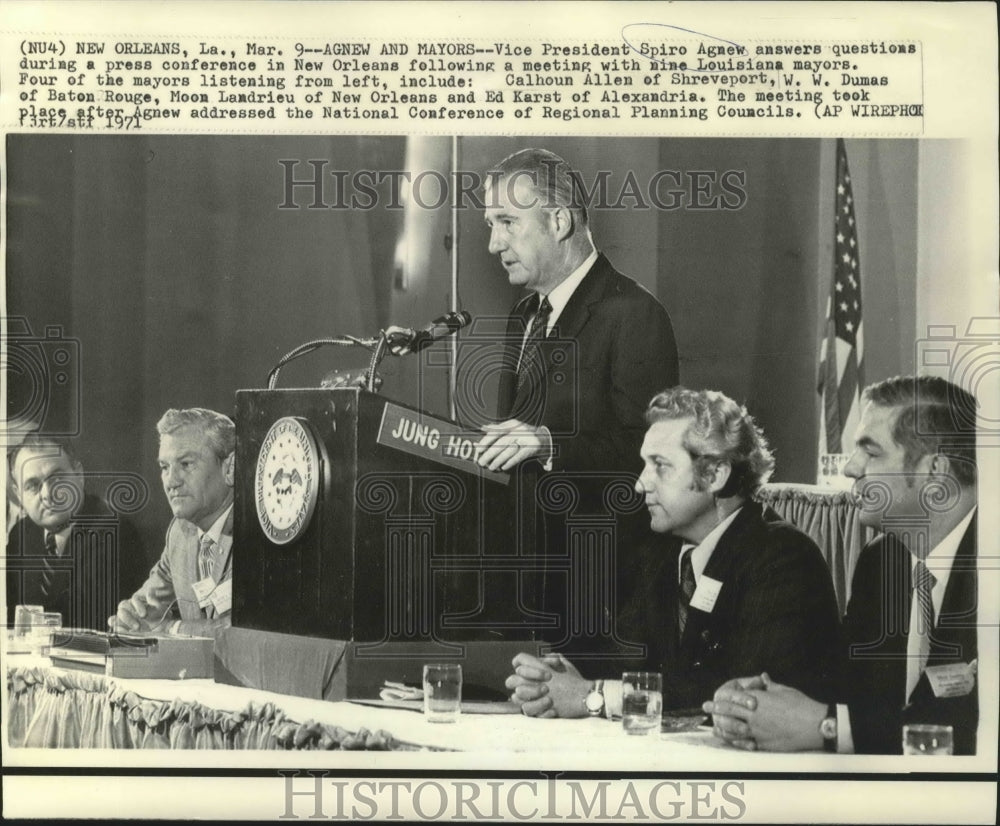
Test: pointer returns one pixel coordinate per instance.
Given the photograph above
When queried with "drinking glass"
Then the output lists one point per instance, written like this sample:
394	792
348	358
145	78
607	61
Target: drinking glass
927	739
24	619
642	702
442	692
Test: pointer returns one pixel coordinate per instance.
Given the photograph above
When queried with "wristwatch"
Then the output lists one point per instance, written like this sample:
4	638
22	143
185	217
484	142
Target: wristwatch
828	729
594	701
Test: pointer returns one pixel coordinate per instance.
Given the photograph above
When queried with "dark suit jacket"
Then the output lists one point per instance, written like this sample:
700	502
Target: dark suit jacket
175	573
612	350
875	631
776	612
102	560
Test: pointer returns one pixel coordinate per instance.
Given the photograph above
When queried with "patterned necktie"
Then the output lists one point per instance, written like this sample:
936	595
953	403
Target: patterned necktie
923	583
206	562
48	573
686	591
206	556
529	353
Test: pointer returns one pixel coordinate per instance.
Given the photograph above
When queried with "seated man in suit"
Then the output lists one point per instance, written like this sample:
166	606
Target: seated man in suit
903	660
732	584
72	554
189	590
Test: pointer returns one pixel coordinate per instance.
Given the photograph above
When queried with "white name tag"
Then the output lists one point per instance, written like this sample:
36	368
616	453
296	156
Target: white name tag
222	597
955	680
706	594
203	589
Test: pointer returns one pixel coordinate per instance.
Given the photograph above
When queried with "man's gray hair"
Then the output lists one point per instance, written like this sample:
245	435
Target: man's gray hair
551	177
218	428
720	431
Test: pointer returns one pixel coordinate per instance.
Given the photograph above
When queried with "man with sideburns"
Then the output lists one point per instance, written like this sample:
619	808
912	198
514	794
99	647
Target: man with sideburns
909	649
731	584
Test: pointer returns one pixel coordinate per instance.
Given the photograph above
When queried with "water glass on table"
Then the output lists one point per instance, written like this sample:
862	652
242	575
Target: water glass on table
642	702
927	739
34	628
442	692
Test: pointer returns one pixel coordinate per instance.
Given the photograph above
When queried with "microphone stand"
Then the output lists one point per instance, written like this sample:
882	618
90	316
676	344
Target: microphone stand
380	347
310	346
377	355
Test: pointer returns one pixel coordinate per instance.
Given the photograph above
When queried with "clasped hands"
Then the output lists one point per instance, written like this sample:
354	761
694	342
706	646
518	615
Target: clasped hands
756	713
750	713
507	444
548	687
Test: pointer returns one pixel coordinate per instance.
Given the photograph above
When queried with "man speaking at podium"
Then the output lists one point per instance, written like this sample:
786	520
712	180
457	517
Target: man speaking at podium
189	590
625	349
585	350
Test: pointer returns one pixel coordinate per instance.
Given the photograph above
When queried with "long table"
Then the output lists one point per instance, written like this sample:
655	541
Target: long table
50	707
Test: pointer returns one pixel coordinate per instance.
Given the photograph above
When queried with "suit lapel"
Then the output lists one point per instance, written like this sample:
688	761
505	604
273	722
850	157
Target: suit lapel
957	621
954	637
190	560
568	326
670	592
589	291
516	326
728	551
223	561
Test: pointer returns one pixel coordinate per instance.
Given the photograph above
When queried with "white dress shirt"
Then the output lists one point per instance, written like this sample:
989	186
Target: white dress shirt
700	554
558	298
61	539
939	562
560	295
704	550
222	543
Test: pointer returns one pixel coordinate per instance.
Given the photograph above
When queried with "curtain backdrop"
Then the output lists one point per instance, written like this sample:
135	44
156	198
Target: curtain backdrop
168	266
166	262
830	517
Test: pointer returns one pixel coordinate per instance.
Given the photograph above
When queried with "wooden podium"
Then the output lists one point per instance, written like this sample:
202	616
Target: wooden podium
409	553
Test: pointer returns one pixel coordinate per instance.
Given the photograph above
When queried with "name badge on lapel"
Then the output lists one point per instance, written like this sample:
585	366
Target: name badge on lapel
954	680
222	596
203	590
706	594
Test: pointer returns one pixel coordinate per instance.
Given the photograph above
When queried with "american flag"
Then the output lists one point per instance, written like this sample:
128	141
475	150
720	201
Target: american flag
841	360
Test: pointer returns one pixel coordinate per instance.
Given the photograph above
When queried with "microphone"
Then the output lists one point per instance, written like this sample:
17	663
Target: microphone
413	341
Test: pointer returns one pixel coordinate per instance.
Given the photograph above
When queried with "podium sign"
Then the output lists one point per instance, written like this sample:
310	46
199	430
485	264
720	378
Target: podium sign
434	439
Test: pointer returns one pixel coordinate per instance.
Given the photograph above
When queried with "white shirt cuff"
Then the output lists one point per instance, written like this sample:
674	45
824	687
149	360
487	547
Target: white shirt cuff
545	457
845	739
612	699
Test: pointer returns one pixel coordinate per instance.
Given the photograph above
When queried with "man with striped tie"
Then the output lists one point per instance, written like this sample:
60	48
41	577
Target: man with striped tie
910	648
730	584
72	554
585	349
590	419
189	590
